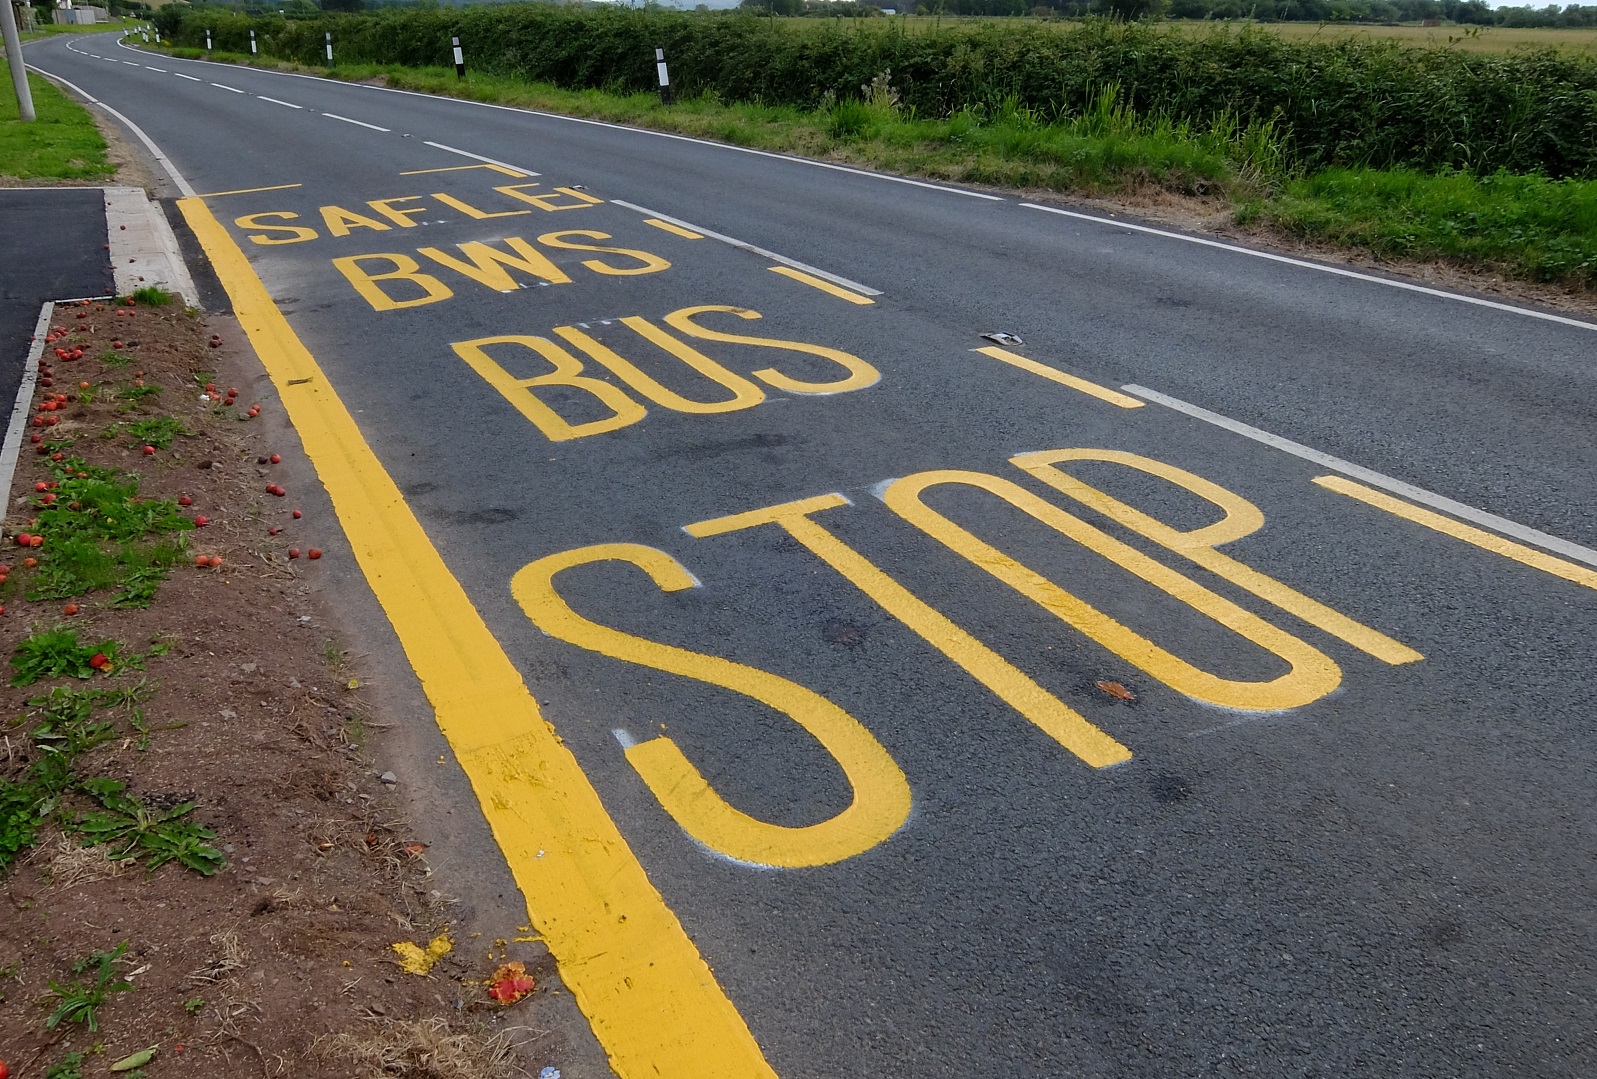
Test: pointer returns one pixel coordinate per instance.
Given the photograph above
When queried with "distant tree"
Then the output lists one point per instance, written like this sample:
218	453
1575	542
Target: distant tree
343	5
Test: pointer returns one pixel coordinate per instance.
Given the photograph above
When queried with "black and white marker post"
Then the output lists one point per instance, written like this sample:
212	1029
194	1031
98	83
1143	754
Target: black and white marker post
665	79
207	41
252	43
329	48
460	58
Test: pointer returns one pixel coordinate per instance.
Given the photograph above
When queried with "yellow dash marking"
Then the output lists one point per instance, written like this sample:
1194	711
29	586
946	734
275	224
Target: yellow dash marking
675	230
248	191
825	286
463	168
1486	541
1092	389
650	997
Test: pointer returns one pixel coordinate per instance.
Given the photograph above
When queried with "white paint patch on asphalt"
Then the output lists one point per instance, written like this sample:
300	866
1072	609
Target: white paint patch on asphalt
1306	265
357	123
190	78
273	100
1503	525
479	157
864	290
224	86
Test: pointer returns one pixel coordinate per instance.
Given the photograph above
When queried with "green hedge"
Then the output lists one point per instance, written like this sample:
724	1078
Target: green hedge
1375	104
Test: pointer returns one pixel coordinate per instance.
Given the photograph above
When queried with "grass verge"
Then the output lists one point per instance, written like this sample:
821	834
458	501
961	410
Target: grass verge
1527	227
62	144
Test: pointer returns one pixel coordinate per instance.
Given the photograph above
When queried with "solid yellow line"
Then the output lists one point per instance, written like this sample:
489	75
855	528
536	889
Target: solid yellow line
651	999
1487	541
1055	375
248	191
675	230
825	286
463	168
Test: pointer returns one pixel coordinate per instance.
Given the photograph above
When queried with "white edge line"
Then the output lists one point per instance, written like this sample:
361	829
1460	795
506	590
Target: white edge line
19	414
618	127
864	290
1375	479
1322	268
479	157
224	86
171	170
347	120
274	101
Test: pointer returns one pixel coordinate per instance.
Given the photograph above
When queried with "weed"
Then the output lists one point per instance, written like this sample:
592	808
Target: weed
67	727
115	359
132	395
70	1067
81	1001
56	653
158	432
153	295
146	832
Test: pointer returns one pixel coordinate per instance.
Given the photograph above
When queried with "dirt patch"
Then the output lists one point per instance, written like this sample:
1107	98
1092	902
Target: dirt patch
220	727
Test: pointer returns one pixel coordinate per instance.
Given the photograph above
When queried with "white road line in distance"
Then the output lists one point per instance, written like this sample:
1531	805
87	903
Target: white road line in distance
274	101
479	157
171	170
357	123
224	86
162	70
789	158
863	290
1547	316
190	78
1503	525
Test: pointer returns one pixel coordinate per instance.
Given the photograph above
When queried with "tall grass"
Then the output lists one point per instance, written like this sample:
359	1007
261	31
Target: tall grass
1340	103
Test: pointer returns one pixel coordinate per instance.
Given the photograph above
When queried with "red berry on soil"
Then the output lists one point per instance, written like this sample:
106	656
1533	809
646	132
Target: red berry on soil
149	451
277	458
315	552
297	515
293	552
99	660
70	609
200	520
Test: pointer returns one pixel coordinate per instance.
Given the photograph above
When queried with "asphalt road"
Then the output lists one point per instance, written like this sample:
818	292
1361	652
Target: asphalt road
1324	856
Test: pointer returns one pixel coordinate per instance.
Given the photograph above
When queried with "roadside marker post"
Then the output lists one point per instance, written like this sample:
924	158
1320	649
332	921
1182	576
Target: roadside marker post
329	48
207	41
19	71
460	58
252	43
665	78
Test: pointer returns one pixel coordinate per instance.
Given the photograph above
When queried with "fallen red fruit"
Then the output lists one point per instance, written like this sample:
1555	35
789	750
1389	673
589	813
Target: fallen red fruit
315	552
35	541
276	458
99	660
23	539
297	515
293	552
30	562
185	500
149	451
273	531
232	393
202	560
210	387
70	609
41	486
200	520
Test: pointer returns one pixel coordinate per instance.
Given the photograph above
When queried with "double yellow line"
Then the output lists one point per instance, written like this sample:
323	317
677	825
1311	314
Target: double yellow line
650	997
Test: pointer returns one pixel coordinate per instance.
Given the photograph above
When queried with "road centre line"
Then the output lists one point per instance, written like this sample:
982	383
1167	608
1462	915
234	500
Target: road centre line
651	999
273	100
357	123
623	127
1546	316
223	86
162	70
864	290
825	286
190	78
1092	389
514	169
155	151
1375	479
1487	541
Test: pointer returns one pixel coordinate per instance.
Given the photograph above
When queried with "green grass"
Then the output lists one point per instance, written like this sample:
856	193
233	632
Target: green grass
62	144
1529	227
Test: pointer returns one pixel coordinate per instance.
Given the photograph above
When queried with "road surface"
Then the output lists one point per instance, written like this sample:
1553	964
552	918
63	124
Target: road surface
1199	686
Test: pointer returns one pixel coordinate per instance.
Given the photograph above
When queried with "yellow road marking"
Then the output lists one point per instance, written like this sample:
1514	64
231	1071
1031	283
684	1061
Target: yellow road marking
675	230
650	997
881	802
1092	389
1241	518
825	286
248	191
1487	541
462	168
1051	715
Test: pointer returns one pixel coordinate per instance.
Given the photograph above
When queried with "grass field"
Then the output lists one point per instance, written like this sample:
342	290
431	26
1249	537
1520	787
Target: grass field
63	144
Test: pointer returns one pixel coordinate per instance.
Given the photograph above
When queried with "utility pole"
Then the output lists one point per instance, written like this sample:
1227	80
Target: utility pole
19	70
